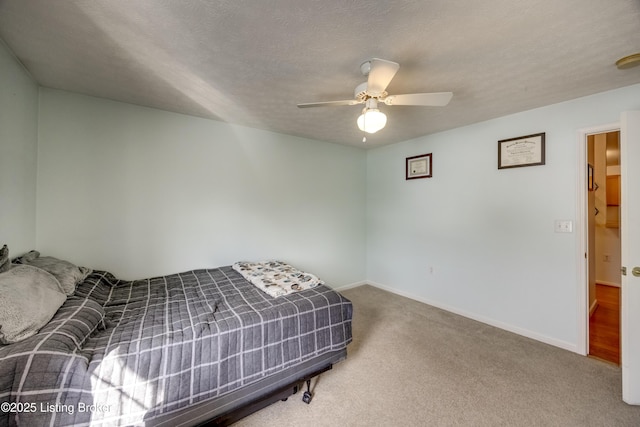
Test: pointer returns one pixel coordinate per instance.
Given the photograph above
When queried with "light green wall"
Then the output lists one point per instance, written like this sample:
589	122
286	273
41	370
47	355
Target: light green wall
480	241
18	161
142	192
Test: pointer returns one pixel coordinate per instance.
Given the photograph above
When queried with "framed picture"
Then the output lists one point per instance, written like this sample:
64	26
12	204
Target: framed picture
418	166
590	176
522	151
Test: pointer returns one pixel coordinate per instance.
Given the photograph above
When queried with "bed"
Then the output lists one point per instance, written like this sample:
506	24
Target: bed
182	349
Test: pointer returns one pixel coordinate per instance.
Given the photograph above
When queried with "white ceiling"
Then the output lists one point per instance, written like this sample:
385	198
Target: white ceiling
251	62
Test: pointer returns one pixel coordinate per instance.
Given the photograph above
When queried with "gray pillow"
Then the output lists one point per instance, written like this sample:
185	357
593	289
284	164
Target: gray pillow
29	297
5	262
68	274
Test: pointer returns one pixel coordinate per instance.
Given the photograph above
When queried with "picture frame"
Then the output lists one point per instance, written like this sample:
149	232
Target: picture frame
419	166
522	151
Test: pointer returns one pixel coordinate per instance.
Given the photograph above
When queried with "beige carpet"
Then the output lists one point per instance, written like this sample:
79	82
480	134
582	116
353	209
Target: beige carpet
411	364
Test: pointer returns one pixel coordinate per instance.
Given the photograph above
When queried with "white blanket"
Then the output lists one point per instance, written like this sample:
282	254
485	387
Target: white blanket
276	278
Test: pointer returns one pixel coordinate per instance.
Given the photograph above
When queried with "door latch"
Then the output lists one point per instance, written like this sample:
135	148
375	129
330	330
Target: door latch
623	270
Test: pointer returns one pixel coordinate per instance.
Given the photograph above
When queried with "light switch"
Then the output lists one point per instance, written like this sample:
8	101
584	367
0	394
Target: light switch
564	226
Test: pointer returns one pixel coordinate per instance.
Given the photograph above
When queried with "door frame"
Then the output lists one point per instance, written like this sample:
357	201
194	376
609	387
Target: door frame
582	227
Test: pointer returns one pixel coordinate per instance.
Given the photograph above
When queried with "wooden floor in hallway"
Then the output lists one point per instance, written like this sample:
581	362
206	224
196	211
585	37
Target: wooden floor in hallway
604	325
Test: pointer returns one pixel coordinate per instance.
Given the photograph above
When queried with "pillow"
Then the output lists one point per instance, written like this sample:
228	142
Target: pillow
29	297
69	275
5	263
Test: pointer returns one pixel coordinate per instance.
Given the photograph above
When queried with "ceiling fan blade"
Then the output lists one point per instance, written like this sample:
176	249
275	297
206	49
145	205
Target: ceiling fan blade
329	103
436	99
380	75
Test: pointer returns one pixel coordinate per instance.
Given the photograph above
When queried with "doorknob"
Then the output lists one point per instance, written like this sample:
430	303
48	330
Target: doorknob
636	271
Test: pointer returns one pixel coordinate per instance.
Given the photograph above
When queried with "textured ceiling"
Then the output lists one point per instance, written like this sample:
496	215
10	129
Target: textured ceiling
251	62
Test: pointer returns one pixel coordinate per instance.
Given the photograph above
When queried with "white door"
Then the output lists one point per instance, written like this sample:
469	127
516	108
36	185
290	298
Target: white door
630	239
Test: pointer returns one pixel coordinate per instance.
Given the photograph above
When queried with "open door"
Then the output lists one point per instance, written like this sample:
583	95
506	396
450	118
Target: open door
630	240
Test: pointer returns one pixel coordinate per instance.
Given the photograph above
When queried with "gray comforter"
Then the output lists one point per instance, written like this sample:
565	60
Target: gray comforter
120	352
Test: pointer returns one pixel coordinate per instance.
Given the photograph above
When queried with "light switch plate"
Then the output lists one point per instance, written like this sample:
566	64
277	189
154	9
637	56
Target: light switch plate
564	226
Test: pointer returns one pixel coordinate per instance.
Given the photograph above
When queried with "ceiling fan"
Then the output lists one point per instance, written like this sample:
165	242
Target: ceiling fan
379	73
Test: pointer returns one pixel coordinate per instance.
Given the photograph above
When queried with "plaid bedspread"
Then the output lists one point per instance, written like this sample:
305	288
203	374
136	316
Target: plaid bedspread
121	352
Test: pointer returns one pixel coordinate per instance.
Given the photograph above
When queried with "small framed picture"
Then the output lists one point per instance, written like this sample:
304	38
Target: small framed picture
418	166
522	151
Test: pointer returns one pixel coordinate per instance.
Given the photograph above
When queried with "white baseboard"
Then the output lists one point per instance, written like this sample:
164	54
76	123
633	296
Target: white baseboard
492	322
350	285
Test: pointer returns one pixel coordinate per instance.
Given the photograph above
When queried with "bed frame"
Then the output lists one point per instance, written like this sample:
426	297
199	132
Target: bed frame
233	406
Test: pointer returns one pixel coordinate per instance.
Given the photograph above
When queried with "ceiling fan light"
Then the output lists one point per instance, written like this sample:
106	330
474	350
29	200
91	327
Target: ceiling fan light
372	120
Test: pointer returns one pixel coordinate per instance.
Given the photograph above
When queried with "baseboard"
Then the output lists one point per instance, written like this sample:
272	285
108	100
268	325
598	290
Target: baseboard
593	307
602	282
486	320
349	286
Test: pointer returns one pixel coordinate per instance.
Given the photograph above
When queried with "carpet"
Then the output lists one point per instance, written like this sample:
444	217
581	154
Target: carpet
412	364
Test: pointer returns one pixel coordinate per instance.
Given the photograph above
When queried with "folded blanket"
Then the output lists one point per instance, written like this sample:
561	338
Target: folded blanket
276	278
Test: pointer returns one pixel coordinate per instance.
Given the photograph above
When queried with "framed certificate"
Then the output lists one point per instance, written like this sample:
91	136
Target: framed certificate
522	151
418	166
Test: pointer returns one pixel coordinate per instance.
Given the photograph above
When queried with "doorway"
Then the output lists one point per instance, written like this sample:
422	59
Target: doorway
604	245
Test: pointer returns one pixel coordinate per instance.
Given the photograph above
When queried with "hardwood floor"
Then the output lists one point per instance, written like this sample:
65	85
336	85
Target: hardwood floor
604	325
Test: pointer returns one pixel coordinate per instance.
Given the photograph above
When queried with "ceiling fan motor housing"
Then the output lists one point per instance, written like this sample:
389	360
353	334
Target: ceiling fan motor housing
361	93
